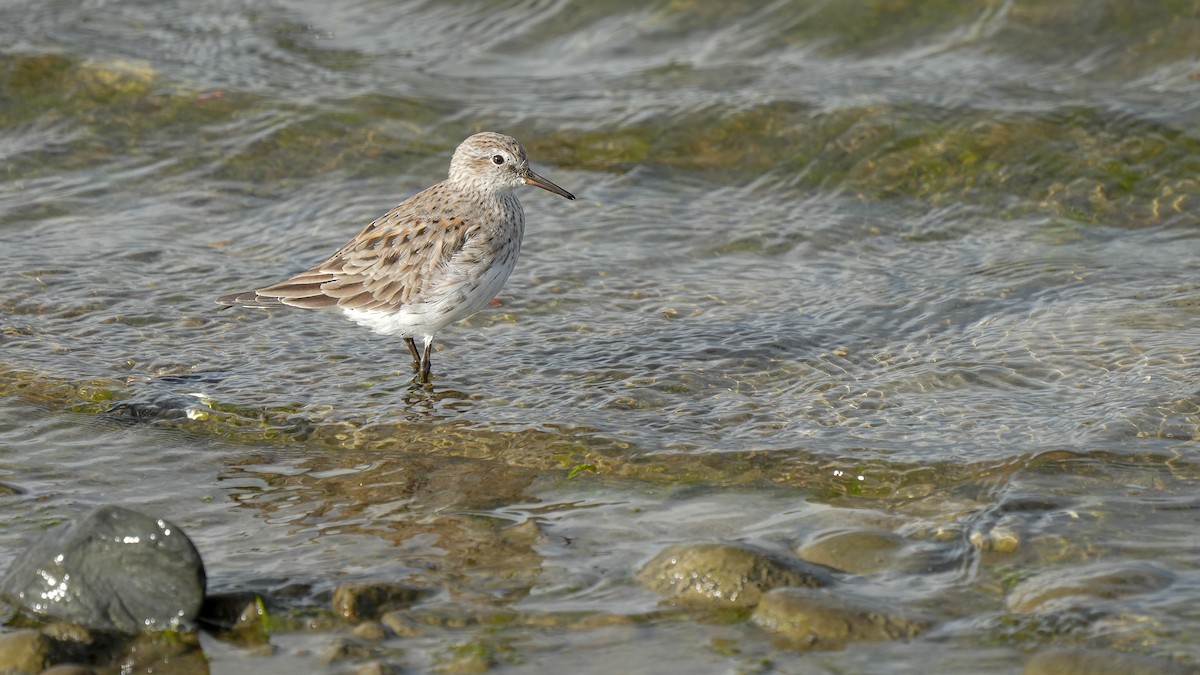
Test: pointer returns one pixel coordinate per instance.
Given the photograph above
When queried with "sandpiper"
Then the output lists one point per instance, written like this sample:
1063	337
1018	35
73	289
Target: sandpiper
439	256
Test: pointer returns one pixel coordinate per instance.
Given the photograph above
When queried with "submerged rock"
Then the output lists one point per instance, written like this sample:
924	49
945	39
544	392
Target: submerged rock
115	569
998	538
870	551
7	489
854	551
724	574
359	601
820	619
344	649
1064	588
1102	662
371	631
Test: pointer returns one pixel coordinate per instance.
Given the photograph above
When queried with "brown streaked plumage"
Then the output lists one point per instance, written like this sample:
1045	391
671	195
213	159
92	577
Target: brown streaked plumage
439	256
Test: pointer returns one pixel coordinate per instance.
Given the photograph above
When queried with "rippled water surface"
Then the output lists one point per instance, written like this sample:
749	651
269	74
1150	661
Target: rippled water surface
923	267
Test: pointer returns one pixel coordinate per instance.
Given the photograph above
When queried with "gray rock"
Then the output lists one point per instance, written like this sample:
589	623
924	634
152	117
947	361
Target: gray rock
725	575
817	618
1102	662
115	569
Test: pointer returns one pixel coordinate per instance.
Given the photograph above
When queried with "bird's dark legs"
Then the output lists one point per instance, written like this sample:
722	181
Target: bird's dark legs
425	366
412	349
421	363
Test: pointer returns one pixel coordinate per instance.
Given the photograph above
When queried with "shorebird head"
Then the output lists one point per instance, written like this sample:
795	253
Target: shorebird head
492	162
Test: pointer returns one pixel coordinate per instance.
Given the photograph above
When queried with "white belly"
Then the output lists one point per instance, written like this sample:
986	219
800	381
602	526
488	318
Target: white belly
459	297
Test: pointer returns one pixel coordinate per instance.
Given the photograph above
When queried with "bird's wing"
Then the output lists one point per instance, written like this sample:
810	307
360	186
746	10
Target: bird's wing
392	262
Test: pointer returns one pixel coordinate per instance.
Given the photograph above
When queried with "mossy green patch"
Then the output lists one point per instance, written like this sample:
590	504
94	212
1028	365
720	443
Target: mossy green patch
1083	164
95	112
561	451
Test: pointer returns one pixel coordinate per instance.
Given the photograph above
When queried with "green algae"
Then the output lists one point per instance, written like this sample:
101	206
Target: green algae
107	111
873	26
1131	35
571	452
477	656
1128	34
1083	164
66	85
578	454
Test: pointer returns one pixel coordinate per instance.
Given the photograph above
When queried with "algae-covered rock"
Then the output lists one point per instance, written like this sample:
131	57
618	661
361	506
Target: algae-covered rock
725	574
822	619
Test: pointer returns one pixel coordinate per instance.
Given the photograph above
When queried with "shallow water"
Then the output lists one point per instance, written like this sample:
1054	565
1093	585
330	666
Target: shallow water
925	267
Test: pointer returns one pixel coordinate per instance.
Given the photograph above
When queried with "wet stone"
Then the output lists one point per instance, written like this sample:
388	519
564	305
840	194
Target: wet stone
1067	588
1102	662
817	618
725	575
114	569
361	601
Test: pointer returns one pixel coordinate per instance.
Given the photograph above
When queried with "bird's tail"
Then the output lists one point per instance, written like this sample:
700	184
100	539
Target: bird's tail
248	299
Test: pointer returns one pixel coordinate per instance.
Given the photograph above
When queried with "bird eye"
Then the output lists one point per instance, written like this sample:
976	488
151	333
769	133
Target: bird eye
497	159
